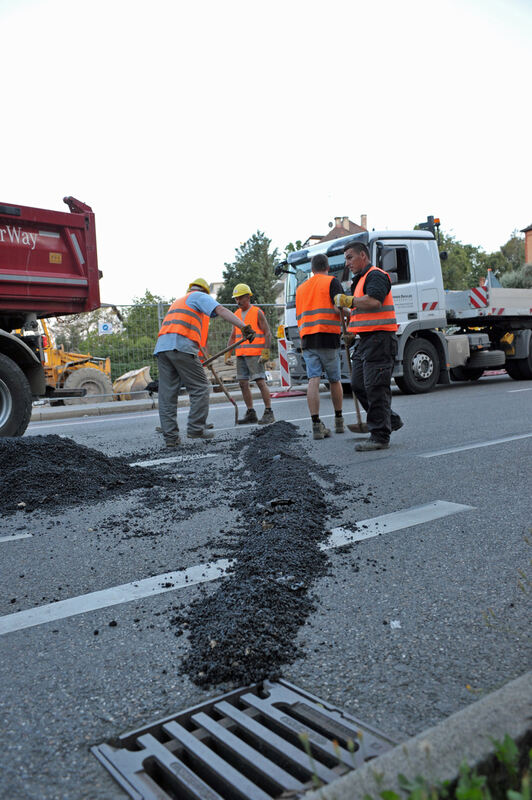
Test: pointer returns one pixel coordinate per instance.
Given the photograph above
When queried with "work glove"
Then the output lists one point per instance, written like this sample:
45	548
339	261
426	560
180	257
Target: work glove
227	357
265	354
248	333
349	339
343	301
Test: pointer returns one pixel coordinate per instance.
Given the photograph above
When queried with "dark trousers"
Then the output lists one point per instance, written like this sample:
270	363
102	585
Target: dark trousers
373	362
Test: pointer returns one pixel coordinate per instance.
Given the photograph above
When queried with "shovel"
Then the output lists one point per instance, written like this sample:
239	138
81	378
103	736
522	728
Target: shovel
222	352
359	427
219	381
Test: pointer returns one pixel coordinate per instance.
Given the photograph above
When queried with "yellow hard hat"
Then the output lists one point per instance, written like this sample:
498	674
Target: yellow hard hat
200	284
240	289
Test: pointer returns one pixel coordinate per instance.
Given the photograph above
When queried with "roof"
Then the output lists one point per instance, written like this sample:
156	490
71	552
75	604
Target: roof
339	231
525	230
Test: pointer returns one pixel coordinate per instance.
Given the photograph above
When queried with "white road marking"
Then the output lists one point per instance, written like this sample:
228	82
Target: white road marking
398	520
475	446
212	571
513	391
16	536
158	584
171	460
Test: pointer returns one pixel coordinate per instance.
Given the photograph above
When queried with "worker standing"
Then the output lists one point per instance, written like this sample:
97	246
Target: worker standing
319	326
184	330
252	356
373	320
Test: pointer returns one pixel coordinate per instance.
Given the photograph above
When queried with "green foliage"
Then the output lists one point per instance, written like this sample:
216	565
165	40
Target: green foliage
518	278
470	785
293	247
514	251
254	265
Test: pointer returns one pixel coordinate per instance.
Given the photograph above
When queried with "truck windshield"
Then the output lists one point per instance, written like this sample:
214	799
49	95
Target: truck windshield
302	271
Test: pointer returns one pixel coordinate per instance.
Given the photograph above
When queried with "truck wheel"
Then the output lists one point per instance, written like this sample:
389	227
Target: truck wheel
421	367
465	374
15	399
99	387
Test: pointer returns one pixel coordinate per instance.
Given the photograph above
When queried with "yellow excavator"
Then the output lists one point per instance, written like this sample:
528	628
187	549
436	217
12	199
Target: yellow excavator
65	370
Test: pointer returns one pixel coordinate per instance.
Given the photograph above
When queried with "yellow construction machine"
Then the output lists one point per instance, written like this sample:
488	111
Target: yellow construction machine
65	370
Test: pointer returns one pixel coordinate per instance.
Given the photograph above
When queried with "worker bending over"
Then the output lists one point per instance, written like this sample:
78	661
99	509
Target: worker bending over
252	356
373	320
319	326
184	330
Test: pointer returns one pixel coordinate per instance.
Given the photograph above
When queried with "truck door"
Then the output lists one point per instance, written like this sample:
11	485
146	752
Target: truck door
396	258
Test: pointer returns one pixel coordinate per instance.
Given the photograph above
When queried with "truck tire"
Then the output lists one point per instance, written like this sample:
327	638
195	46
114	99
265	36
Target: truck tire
15	399
99	387
466	374
520	369
421	367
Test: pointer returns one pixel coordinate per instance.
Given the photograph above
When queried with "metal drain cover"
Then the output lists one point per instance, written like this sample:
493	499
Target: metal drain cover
264	741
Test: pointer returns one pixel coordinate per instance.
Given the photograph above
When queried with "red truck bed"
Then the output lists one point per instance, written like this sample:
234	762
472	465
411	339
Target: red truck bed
48	261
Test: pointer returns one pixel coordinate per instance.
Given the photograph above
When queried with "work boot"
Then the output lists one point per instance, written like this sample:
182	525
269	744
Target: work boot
339	425
200	435
371	444
250	417
267	418
175	442
319	431
397	423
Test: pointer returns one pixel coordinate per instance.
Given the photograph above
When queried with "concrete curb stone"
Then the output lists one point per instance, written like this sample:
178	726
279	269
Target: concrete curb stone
436	753
50	413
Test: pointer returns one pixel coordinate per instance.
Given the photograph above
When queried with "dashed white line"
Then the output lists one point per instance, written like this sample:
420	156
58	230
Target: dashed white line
514	391
201	573
158	584
16	536
387	523
171	460
475	446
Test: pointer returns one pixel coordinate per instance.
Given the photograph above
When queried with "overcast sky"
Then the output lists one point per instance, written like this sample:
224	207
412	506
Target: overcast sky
188	126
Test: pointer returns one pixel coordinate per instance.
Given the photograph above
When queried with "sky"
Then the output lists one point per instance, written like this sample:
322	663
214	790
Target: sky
188	126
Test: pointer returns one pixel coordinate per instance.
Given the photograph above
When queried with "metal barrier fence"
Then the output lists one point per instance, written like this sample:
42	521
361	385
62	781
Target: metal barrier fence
127	334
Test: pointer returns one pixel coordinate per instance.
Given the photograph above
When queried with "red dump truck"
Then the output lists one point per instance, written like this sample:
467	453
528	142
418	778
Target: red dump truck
48	268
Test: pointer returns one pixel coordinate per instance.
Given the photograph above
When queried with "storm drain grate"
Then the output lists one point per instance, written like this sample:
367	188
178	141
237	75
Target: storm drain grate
264	741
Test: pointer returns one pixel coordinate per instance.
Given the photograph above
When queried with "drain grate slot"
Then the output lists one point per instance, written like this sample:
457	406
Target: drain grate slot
250	744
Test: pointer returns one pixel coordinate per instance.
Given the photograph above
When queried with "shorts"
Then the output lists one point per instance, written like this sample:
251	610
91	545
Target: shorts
322	360
250	368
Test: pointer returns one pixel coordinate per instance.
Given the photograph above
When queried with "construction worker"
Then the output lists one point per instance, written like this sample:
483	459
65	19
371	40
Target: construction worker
184	330
373	320
252	356
319	328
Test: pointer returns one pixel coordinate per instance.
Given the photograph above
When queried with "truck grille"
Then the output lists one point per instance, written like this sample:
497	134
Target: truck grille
260	742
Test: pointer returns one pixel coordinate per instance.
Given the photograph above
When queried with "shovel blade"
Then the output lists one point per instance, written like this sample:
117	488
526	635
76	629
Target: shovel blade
356	428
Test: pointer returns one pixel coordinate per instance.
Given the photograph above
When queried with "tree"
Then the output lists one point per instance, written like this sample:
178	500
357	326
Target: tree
518	278
293	247
514	251
254	264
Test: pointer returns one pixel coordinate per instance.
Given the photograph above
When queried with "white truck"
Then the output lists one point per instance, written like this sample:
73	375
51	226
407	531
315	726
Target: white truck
443	335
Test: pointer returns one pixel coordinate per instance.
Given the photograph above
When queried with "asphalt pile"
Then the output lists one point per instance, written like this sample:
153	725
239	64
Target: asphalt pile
246	628
53	472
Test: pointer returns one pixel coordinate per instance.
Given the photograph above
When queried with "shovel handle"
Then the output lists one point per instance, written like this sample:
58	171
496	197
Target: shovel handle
222	352
219	381
348	356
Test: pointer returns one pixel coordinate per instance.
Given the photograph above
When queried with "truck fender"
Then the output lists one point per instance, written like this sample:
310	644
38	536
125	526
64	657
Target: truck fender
521	343
19	352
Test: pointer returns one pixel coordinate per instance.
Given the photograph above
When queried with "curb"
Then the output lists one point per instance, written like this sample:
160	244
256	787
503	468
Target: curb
41	413
437	753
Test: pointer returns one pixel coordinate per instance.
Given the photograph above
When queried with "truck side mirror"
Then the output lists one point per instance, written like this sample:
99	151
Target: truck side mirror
444	255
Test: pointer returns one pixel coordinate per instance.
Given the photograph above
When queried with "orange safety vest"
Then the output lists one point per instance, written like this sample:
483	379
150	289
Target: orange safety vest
255	347
186	321
369	321
315	311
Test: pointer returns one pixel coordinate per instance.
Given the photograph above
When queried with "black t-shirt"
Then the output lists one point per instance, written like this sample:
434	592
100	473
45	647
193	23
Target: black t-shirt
377	284
326	340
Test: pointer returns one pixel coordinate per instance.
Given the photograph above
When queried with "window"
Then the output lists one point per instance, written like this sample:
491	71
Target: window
394	259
